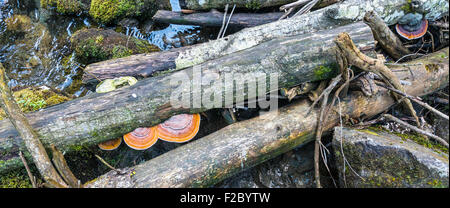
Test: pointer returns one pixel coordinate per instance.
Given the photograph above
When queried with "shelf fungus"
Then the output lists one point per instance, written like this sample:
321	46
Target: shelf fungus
109	85
179	128
412	26
141	138
110	144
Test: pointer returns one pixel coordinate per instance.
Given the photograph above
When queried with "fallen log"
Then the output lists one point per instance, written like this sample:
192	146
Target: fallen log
215	18
242	145
99	117
214	4
342	13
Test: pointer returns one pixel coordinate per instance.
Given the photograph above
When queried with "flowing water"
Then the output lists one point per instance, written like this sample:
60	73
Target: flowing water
40	54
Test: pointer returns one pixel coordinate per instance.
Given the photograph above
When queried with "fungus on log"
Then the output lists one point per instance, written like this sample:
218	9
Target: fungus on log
210	159
333	16
100	117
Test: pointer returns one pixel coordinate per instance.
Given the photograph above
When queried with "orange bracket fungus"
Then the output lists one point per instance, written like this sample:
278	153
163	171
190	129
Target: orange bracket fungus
141	138
179	128
412	26
110	144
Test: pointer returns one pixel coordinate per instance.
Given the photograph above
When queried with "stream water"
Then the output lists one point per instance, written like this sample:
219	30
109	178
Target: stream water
40	54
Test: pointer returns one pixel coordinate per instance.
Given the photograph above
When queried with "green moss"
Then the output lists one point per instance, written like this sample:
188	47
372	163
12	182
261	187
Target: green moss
120	51
253	5
94	45
88	51
31	99
109	11
63	6
15	179
18	23
417	138
324	72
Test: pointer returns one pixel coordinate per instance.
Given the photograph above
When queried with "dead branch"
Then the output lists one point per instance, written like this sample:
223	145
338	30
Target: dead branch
420	131
29	136
385	37
356	58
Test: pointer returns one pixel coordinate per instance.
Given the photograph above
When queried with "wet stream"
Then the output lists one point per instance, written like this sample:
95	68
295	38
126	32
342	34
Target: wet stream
37	52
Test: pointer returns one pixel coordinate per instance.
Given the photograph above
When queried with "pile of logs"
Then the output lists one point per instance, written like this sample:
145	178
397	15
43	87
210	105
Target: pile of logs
296	49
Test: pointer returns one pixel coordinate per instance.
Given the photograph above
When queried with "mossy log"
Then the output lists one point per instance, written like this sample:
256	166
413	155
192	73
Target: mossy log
242	145
332	16
100	117
215	18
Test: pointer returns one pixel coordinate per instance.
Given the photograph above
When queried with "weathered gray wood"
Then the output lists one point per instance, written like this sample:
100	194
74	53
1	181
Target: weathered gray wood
100	117
215	18
220	4
242	145
333	16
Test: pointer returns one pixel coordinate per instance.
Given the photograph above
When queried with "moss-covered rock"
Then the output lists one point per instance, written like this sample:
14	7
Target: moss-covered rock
382	159
110	11
32	99
18	23
94	45
66	6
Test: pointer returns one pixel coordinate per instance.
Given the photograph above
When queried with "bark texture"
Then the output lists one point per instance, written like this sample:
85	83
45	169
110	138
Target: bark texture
233	149
215	18
385	37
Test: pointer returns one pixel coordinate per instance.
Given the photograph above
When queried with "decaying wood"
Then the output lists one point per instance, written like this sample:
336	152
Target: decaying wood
354	57
214	18
27	133
210	159
385	37
333	16
99	117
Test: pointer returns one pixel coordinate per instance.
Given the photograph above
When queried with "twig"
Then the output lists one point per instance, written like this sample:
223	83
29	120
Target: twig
417	100
306	8
420	131
223	22
294	4
228	22
286	13
107	164
356	58
32	178
319	130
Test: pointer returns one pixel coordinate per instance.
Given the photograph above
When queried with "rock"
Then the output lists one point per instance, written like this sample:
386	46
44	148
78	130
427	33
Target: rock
294	169
110	11
129	22
441	128
94	45
67	7
386	160
19	24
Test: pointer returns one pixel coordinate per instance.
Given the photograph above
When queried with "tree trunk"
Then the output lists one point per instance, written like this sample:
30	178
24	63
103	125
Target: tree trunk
215	18
99	117
245	144
323	19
